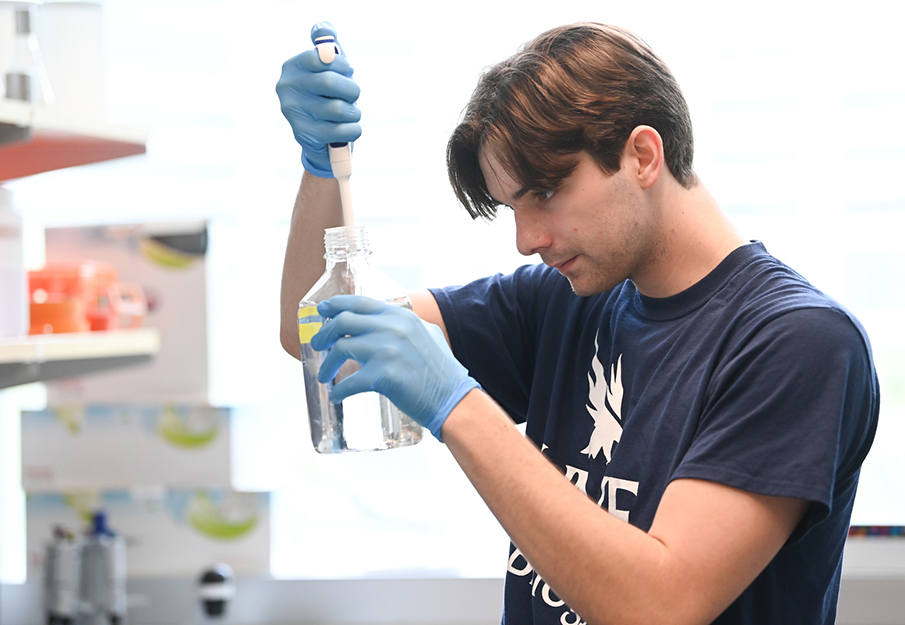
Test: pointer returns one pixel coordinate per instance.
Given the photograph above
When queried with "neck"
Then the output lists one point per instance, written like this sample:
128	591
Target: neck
694	238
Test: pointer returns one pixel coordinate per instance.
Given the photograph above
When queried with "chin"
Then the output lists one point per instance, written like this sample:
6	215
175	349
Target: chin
585	289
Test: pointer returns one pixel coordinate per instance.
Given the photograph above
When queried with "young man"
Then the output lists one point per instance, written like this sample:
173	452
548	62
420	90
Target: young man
696	412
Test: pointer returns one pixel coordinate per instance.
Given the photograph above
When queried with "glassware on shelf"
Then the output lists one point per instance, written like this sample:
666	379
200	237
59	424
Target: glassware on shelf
14	318
26	77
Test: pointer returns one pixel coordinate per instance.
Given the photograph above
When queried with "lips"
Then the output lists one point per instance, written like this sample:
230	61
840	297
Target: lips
565	265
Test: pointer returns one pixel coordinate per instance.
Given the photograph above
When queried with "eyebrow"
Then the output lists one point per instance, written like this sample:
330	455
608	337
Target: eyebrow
520	193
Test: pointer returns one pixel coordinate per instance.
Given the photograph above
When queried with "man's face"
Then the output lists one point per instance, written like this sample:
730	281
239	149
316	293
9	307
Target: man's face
596	229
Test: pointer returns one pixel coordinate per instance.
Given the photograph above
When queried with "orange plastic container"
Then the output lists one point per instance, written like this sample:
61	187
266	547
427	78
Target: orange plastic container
64	296
54	317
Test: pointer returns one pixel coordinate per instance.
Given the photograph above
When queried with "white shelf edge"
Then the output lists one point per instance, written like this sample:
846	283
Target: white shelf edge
79	346
22	114
50	119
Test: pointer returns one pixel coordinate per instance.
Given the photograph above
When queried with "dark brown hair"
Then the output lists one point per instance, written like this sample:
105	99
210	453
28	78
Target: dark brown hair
579	87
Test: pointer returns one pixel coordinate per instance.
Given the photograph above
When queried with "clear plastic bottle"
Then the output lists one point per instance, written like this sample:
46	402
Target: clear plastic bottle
367	421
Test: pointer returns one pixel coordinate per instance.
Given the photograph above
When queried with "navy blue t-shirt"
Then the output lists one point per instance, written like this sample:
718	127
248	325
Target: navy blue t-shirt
751	378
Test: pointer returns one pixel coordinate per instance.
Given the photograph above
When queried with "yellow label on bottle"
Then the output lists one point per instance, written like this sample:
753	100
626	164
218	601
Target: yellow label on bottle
310	323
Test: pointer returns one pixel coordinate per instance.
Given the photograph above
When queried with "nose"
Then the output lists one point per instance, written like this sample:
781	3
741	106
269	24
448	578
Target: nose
532	236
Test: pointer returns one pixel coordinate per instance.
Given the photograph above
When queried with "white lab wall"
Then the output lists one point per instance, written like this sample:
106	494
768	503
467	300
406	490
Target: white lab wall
798	110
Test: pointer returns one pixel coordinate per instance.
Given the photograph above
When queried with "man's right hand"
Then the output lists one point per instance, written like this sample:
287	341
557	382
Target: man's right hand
318	100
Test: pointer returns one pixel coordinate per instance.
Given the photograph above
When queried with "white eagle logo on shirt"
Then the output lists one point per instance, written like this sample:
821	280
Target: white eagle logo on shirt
605	407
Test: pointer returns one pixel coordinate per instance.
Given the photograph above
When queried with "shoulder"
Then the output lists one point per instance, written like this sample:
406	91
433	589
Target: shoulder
766	292
820	338
770	307
525	285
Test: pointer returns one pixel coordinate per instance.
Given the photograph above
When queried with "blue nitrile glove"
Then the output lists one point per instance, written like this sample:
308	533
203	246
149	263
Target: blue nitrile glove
318	100
401	357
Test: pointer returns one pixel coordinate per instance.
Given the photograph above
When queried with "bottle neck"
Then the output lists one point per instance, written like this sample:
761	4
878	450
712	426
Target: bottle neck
345	243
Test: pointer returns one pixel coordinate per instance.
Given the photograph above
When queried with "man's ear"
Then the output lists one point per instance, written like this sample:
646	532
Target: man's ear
644	148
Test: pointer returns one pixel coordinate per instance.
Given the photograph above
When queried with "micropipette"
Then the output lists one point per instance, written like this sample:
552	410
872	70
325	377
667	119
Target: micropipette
340	153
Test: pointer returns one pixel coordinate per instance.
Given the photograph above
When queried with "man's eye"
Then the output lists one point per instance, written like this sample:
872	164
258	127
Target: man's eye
544	194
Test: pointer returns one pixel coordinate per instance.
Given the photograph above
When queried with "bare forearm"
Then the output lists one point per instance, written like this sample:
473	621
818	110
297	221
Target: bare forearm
317	207
558	529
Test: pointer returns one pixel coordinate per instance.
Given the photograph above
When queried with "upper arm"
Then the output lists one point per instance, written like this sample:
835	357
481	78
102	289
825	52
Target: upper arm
425	306
720	538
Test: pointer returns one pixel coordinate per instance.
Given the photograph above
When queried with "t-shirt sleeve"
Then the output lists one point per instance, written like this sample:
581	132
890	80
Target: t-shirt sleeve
791	413
492	335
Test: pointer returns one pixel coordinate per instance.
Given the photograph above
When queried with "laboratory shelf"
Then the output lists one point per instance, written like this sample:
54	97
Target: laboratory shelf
34	140
40	358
